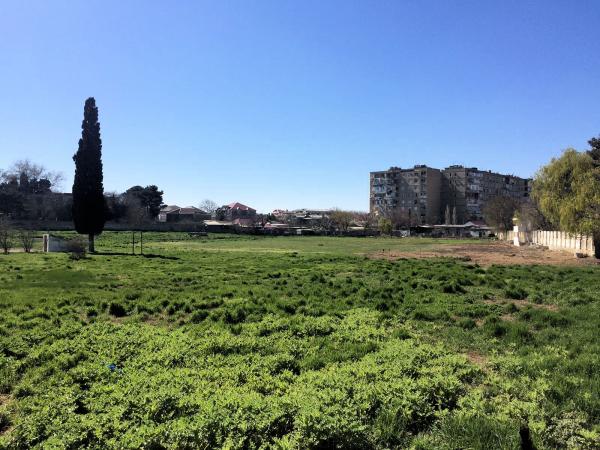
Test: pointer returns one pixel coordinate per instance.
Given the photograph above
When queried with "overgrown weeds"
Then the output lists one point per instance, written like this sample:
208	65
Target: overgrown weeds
316	350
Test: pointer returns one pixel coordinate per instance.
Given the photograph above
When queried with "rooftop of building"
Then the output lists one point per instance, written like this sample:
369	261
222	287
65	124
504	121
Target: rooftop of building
455	167
174	209
239	206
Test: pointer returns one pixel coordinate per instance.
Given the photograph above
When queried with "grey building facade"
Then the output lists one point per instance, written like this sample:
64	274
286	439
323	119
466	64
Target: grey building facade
468	189
415	192
424	193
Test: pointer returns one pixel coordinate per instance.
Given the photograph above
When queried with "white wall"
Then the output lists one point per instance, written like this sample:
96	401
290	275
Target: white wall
554	240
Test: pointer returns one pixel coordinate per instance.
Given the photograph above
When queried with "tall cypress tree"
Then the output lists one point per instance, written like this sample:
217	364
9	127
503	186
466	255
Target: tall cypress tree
89	207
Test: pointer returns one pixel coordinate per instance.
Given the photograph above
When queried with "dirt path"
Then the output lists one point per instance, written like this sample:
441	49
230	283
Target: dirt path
488	253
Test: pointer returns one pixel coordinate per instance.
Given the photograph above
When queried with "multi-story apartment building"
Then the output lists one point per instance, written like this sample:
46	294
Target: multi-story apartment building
423	193
415	192
468	189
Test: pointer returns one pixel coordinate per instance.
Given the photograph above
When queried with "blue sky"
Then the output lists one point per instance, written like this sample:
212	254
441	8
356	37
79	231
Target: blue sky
288	104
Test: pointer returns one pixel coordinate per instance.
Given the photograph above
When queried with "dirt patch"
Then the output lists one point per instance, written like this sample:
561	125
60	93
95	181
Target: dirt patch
477	359
489	253
161	320
521	304
5	399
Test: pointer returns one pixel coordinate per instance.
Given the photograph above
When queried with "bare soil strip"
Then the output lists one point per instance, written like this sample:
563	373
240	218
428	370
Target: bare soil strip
522	303
489	253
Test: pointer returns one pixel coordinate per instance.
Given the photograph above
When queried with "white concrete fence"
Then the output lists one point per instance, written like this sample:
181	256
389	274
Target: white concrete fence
554	240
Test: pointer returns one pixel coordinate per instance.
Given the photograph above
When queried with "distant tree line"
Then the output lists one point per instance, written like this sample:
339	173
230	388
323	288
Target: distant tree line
28	191
136	204
335	221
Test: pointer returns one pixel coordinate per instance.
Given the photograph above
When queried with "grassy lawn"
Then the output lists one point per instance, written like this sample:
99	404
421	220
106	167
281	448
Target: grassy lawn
294	342
178	242
316	244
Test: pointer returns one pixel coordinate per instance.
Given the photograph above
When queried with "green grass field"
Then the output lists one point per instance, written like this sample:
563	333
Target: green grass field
294	342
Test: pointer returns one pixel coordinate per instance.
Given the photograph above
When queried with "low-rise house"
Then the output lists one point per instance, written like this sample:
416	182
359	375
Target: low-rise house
473	228
165	210
236	211
174	213
218	226
311	218
245	222
276	225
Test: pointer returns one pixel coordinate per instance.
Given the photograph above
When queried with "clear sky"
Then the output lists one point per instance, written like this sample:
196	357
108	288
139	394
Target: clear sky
288	104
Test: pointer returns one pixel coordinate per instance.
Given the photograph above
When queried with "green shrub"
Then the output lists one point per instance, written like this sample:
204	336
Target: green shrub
335	350
495	327
198	316
117	309
515	292
467	323
459	431
453	288
5	421
234	315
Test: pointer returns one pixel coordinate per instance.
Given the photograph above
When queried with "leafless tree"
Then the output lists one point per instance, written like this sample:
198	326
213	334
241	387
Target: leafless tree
499	212
6	236
402	219
208	206
137	215
26	237
327	223
367	220
27	169
399	218
342	219
530	216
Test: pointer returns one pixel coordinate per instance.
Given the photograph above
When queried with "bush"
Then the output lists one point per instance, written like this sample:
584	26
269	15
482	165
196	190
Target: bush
117	309
4	421
77	249
199	315
26	237
453	288
496	327
515	292
467	323
461	431
300	364
235	315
